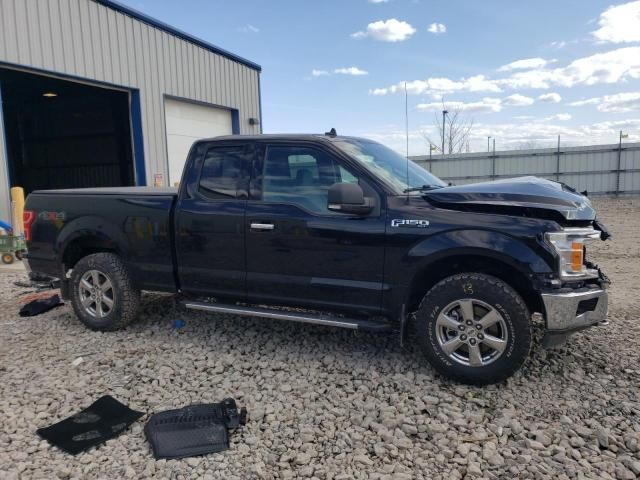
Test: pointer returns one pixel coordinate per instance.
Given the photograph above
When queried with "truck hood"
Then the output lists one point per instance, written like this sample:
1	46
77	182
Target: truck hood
532	193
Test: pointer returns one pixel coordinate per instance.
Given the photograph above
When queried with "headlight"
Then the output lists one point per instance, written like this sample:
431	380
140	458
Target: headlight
569	247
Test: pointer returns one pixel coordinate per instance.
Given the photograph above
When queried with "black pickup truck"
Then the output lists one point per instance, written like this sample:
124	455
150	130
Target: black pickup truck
345	230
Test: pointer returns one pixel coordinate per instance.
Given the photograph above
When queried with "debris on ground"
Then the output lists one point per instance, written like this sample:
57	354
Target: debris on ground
193	430
40	305
104	419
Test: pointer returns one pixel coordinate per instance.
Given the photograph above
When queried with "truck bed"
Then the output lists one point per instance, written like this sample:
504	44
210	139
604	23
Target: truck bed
147	191
135	222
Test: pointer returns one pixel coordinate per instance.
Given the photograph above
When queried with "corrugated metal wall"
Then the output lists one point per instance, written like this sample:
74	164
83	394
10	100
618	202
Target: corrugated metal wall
85	39
592	168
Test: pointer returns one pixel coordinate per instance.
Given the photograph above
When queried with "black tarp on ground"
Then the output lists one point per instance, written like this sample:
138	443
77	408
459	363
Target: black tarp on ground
40	305
103	419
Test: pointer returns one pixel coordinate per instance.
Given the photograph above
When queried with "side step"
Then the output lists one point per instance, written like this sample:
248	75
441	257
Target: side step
316	319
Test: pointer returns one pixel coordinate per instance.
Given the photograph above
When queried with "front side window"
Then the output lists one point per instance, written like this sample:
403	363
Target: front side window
302	176
224	172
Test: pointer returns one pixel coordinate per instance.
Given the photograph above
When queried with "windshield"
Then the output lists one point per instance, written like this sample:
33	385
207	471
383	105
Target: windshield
389	165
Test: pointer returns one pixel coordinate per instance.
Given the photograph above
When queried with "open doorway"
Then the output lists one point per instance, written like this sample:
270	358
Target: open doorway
65	134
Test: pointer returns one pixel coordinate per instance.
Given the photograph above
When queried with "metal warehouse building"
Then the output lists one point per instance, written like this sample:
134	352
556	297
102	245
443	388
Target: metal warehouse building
96	94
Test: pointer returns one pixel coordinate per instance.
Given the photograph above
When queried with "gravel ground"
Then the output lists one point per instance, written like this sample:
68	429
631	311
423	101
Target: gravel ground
327	403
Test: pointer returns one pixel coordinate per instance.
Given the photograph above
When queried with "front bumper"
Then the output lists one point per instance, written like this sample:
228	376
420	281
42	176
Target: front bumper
568	312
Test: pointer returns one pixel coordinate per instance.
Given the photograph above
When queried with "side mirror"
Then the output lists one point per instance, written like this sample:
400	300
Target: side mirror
348	198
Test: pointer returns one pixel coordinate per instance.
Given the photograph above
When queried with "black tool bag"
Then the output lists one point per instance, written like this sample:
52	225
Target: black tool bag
193	430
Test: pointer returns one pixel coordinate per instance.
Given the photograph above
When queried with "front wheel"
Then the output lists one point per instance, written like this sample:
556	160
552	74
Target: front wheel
474	328
102	294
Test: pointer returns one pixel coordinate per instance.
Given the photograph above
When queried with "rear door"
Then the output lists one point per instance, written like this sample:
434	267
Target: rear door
299	252
210	224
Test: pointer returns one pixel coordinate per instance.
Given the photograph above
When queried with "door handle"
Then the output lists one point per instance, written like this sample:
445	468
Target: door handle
262	226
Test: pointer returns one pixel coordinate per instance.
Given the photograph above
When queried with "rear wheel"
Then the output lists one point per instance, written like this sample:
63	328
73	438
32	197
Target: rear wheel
102	294
474	328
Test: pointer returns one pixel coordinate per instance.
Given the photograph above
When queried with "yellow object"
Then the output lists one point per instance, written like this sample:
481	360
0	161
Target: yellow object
576	256
17	202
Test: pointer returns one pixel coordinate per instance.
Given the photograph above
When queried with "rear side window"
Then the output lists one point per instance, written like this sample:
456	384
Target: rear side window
224	172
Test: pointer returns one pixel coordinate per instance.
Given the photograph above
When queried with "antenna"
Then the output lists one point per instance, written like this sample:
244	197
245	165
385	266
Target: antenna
406	121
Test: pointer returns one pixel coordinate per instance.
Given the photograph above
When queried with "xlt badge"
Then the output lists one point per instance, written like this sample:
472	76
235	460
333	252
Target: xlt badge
402	222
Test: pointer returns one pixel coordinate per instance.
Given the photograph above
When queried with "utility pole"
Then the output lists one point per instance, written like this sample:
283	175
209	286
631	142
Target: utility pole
430	153
618	171
493	160
488	150
444	114
406	120
558	161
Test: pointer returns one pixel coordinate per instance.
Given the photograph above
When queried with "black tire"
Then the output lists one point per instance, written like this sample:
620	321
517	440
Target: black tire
19	254
490	295
7	258
124	298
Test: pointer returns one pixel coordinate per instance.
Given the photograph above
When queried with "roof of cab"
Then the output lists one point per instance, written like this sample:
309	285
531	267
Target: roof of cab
286	136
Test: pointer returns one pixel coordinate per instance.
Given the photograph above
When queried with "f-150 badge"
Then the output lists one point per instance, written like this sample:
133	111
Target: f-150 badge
402	222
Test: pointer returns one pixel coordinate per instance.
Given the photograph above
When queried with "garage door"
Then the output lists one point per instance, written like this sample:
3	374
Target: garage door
186	123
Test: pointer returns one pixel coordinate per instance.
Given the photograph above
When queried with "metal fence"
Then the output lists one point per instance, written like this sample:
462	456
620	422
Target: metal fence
599	169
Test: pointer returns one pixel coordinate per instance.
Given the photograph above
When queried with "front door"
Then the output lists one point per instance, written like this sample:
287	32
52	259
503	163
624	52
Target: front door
299	252
210	226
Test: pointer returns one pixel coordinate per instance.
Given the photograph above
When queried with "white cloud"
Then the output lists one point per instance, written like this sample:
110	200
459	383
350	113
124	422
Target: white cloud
620	102
248	28
441	86
614	66
378	91
351	71
586	101
608	67
545	133
616	103
486	105
563	117
437	28
378	1
391	30
619	24
517	100
550	98
558	45
525	64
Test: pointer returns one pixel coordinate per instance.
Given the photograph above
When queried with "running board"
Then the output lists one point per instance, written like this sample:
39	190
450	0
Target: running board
317	319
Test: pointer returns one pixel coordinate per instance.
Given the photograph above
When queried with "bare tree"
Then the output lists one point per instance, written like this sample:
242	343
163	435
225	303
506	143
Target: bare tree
528	145
457	130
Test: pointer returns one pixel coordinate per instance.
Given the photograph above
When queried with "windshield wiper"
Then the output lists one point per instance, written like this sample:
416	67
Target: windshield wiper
423	188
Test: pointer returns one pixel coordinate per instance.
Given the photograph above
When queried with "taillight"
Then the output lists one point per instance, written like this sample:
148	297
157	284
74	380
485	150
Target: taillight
28	216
